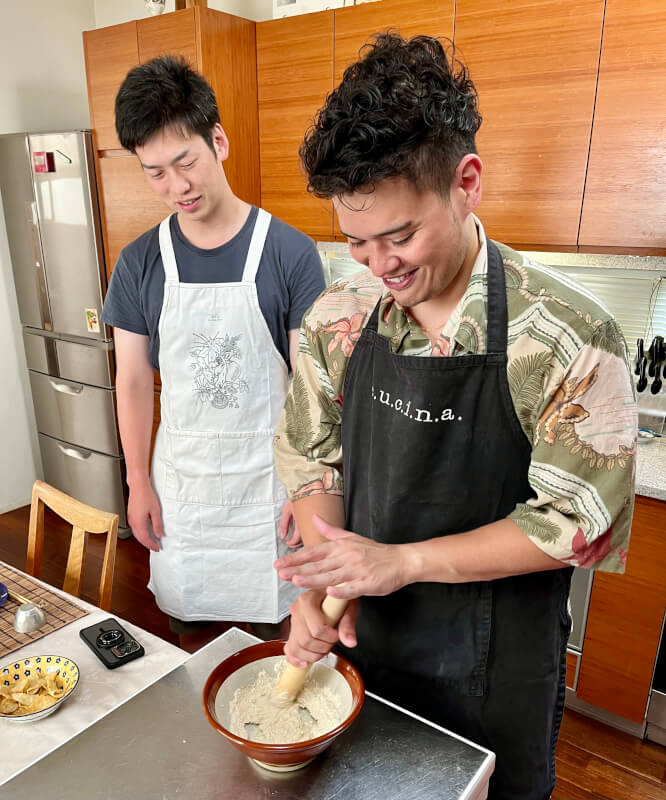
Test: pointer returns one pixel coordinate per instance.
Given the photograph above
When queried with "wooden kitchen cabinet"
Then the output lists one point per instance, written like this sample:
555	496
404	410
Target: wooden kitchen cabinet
534	65
625	202
110	53
295	73
174	33
129	206
624	620
221	47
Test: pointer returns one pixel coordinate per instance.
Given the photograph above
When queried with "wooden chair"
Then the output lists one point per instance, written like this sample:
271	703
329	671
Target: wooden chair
84	519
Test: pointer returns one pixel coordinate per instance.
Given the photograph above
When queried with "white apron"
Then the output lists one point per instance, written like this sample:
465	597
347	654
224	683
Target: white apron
223	387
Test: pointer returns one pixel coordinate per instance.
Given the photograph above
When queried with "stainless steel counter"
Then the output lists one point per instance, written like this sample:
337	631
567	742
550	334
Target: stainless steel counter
159	746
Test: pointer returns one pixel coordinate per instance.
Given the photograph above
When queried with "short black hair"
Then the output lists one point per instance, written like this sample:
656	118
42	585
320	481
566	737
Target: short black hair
164	93
403	110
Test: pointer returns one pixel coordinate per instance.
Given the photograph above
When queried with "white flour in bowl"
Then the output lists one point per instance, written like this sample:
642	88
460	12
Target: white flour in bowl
255	716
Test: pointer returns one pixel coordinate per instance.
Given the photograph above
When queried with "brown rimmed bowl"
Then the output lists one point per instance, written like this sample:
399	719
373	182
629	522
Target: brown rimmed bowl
242	668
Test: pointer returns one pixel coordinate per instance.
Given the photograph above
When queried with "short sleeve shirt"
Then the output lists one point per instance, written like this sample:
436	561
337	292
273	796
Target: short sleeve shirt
289	278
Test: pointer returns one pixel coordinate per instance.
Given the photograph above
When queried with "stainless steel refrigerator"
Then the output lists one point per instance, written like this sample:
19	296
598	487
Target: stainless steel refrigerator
49	196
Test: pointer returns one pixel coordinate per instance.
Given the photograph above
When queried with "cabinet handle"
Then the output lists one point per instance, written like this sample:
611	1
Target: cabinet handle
66	388
82	455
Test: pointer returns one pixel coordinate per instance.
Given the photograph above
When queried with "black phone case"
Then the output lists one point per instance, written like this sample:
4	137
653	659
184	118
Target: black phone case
121	647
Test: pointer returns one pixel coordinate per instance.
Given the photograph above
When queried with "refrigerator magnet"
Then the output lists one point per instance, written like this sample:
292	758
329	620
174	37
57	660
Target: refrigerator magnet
92	320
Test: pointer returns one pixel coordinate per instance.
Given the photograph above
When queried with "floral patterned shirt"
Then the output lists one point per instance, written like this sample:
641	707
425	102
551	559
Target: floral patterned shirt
569	380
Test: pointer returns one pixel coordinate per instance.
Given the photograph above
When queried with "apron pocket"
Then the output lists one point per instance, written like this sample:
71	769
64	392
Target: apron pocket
219	469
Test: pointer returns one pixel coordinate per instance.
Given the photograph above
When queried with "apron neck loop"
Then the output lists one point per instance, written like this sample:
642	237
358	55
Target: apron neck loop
497	312
261	225
167	251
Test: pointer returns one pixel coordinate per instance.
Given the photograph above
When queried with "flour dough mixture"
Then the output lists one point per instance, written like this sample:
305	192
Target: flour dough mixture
254	715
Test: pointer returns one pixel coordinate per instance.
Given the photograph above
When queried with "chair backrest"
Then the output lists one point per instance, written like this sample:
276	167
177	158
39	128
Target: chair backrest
84	519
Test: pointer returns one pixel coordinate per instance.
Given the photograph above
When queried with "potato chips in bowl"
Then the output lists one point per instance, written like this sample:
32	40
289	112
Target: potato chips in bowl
32	688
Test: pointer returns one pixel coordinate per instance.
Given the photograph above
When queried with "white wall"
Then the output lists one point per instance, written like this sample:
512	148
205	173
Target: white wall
113	12
43	87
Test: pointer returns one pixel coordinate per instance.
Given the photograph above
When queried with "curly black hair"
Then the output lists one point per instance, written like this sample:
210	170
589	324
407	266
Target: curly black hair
402	110
164	93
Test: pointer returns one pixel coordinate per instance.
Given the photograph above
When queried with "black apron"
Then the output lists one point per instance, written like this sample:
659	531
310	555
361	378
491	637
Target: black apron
432	446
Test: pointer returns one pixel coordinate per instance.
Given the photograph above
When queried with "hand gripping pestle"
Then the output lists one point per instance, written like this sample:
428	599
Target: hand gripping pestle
292	679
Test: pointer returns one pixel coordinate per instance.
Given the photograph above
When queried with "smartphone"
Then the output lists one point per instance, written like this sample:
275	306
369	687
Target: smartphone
111	643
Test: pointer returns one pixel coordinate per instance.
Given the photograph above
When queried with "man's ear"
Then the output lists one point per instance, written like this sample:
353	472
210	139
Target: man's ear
220	142
466	185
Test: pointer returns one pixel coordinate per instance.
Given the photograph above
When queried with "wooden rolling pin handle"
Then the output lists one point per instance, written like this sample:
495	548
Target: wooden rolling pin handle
292	679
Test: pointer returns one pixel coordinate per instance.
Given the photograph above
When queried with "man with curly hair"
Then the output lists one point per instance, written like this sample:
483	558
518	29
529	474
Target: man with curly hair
460	431
213	298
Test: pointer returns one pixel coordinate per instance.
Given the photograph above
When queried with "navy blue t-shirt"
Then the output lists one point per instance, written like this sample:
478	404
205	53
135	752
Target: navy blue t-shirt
289	278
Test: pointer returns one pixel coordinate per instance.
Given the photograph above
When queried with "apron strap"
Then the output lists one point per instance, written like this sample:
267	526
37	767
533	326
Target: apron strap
497	311
256	248
168	255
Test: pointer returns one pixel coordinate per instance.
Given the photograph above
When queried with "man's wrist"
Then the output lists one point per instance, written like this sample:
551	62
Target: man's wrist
412	563
138	478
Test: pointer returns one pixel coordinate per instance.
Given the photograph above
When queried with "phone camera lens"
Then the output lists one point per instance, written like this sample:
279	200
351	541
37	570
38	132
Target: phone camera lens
110	638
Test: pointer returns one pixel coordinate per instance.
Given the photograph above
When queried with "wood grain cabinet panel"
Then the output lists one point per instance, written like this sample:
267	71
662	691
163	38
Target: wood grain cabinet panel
534	64
625	201
295	72
109	53
229	62
625	618
169	34
130	207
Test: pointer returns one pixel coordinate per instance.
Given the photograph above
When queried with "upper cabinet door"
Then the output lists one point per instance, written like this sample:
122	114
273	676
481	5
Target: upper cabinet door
354	26
534	65
625	201
172	34
110	54
295	72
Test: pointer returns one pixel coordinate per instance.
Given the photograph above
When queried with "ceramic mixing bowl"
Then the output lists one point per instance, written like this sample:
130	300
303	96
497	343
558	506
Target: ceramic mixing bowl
242	668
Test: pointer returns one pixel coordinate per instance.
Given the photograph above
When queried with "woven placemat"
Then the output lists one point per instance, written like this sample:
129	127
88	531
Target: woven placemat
58	611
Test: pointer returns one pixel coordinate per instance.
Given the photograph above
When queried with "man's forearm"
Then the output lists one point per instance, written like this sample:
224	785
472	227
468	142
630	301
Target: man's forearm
135	420
330	507
492	551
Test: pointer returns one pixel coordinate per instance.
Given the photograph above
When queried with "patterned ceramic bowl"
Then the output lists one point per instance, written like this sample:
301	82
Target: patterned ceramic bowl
54	677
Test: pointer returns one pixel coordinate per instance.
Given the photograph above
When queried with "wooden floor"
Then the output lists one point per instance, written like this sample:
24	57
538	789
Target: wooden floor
594	762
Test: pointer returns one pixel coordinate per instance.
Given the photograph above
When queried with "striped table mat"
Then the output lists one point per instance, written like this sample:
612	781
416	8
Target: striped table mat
58	610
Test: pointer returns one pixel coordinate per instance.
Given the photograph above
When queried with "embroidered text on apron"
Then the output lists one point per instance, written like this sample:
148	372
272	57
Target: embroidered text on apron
223	387
432	446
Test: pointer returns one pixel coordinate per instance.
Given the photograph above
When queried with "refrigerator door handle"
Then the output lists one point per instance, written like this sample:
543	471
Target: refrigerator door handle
32	218
66	388
73	452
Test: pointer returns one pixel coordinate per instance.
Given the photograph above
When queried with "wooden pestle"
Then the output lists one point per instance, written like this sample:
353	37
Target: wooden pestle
292	679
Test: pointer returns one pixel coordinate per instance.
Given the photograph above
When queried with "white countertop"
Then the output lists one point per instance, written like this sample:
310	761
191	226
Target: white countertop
651	468
99	691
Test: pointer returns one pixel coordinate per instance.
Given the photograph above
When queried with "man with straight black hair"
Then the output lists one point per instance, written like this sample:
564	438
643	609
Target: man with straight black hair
473	408
213	299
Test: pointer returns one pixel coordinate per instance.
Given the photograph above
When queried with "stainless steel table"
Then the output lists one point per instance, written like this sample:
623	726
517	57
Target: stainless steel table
159	746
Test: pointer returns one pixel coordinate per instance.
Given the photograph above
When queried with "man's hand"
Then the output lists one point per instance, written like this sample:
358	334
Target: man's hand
364	566
311	637
144	515
285	519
